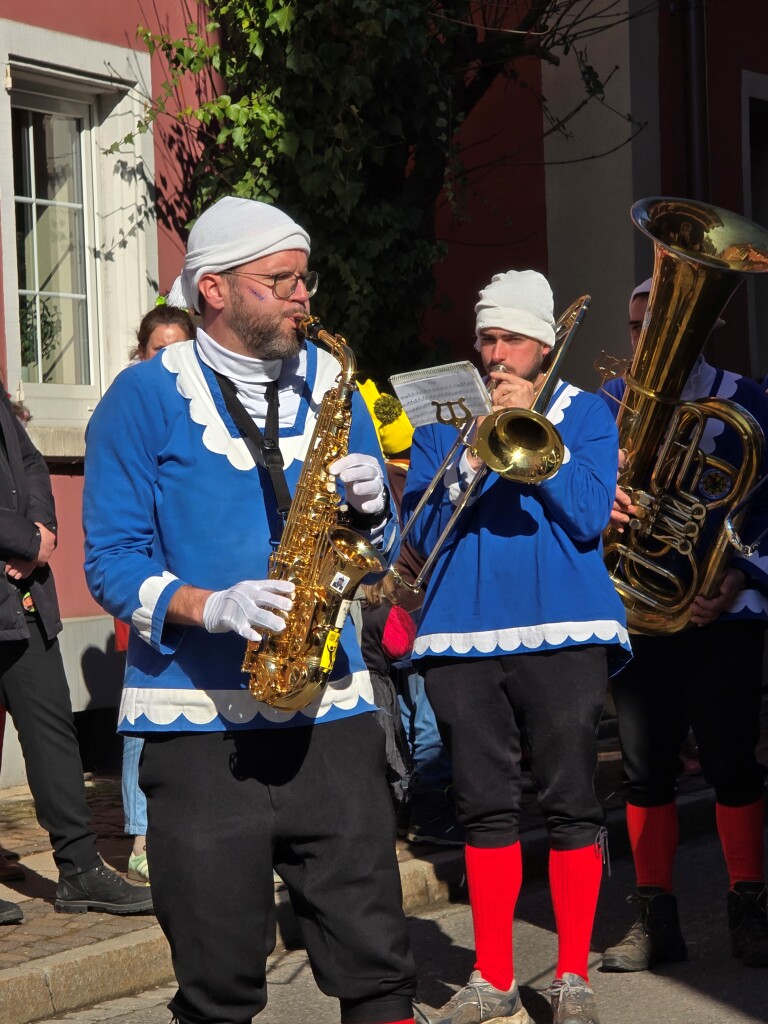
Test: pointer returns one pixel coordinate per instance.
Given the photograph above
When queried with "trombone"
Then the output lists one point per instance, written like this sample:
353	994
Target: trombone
518	444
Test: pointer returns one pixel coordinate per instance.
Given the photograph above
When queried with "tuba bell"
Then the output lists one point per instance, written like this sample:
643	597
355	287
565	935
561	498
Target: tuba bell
678	545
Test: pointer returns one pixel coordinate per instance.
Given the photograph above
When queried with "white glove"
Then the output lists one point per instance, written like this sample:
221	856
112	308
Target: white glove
246	605
363	482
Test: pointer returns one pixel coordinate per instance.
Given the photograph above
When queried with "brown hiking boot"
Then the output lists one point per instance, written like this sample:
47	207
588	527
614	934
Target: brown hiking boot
748	924
655	938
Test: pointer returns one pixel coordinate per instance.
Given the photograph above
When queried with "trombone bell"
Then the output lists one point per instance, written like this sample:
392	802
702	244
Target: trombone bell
519	445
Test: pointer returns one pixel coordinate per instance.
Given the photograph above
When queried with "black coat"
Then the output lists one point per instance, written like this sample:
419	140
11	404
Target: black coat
25	498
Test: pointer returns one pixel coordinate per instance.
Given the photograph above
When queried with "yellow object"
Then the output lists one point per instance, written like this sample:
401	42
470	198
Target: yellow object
328	656
394	437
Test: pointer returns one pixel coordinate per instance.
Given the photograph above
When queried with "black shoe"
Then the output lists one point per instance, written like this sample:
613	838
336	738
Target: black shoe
101	889
748	924
434	821
10	913
655	938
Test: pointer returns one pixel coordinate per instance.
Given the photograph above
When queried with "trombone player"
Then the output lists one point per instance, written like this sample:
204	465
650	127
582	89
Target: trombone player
519	624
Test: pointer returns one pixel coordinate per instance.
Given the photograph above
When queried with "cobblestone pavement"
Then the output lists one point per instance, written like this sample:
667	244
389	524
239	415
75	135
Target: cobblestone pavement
45	933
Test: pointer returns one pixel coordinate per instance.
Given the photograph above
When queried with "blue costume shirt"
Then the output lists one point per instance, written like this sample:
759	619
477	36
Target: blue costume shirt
172	497
522	570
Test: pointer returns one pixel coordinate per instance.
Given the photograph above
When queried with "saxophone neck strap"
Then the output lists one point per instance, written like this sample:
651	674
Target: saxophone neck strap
263	447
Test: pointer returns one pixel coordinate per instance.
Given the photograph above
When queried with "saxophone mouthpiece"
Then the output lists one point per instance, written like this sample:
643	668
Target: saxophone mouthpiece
310	327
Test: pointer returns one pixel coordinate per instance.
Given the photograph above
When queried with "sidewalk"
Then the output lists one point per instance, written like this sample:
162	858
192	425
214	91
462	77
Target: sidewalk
55	963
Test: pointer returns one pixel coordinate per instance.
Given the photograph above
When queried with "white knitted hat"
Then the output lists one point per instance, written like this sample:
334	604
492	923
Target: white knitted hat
235	231
645	289
641	289
519	301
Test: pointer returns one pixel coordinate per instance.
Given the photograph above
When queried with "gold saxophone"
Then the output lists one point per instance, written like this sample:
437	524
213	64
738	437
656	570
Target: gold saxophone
323	558
678	546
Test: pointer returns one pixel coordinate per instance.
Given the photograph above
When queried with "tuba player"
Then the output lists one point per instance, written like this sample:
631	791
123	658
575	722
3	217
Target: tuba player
707	678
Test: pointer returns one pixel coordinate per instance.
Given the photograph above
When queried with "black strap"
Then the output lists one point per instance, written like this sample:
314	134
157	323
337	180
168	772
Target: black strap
263	447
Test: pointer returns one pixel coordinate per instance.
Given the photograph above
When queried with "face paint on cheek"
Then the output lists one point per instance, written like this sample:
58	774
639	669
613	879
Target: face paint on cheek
258	295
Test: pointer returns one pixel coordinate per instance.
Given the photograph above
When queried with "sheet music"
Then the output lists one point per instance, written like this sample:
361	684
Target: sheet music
442	394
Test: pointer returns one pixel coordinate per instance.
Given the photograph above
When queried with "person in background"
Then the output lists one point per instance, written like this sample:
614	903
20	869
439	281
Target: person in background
33	685
427	815
10	870
687	680
163	325
519	622
182	510
386	636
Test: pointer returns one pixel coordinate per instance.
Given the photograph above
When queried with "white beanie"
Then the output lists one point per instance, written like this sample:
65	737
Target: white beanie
645	289
521	302
232	232
641	289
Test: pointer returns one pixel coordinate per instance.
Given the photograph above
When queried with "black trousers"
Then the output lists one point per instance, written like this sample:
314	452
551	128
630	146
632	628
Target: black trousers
708	679
33	689
483	704
314	802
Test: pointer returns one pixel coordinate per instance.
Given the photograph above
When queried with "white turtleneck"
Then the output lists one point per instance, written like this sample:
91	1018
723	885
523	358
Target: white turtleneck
251	377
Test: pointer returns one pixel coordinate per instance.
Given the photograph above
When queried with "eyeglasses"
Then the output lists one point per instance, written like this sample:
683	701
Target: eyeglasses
285	284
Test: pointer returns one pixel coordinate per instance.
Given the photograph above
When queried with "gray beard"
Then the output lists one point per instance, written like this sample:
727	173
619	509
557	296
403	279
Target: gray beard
263	335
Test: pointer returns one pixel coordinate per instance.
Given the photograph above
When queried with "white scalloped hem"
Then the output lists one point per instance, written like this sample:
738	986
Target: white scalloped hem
749	600
236	707
548	635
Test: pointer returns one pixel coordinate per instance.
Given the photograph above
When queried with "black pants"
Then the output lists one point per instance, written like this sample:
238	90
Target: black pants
314	802
482	704
33	688
708	680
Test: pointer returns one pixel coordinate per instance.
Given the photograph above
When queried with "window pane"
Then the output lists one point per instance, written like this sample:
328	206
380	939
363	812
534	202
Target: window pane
25	246
20	120
64	341
57	164
28	320
60	250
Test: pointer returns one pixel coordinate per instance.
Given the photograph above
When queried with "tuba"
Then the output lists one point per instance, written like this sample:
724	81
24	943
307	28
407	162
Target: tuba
678	545
322	557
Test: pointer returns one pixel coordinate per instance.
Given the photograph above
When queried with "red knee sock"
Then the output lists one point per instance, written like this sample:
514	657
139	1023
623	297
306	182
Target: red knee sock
574	880
494	878
653	836
741	836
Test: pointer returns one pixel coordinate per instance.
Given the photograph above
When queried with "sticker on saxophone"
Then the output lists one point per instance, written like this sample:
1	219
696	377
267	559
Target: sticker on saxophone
339	583
328	656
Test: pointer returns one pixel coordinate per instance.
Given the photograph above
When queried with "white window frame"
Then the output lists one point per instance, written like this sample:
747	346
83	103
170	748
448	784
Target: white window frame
113	84
46	104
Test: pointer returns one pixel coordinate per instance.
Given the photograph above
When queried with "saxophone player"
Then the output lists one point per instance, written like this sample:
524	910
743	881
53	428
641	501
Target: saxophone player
707	678
182	509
